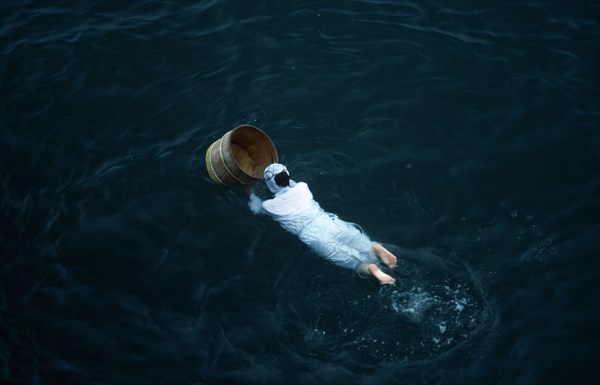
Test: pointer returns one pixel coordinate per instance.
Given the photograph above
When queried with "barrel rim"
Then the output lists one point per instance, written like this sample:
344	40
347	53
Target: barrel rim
232	132
231	172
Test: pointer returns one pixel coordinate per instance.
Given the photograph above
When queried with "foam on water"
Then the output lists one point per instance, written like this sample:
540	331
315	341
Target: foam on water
447	314
424	316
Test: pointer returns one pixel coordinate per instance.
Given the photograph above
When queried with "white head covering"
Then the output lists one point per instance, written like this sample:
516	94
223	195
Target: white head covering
269	177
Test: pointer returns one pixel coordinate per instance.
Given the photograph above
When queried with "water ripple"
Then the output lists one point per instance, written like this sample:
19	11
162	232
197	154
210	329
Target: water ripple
462	134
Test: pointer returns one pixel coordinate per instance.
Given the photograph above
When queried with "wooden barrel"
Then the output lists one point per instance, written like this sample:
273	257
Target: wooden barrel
240	156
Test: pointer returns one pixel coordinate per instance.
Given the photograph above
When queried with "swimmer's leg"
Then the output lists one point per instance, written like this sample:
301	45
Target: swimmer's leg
384	255
372	269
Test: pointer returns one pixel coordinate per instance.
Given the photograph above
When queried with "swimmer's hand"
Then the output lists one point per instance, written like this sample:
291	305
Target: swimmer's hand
255	203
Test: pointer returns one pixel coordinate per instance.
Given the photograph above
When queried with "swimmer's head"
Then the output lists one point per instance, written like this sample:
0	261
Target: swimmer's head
282	179
276	177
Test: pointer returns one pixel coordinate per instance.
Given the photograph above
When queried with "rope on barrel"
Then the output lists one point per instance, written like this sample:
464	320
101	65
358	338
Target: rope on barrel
210	168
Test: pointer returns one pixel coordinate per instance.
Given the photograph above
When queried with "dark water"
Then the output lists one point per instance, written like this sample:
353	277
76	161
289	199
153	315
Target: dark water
464	135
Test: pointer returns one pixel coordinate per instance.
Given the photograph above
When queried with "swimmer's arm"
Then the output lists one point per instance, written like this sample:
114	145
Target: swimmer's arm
255	204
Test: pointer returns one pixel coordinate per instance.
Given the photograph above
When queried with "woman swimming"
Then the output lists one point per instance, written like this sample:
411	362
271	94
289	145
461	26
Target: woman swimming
338	241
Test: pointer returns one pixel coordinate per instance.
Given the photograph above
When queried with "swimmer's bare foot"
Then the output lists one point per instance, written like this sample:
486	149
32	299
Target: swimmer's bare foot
382	277
384	255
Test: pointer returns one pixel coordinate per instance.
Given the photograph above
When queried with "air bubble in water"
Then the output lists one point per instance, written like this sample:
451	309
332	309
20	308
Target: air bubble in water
442	327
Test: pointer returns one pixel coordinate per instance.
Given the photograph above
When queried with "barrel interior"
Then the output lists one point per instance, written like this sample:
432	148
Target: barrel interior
252	150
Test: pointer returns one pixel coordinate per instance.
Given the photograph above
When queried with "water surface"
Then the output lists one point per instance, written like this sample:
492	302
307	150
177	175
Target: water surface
463	135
